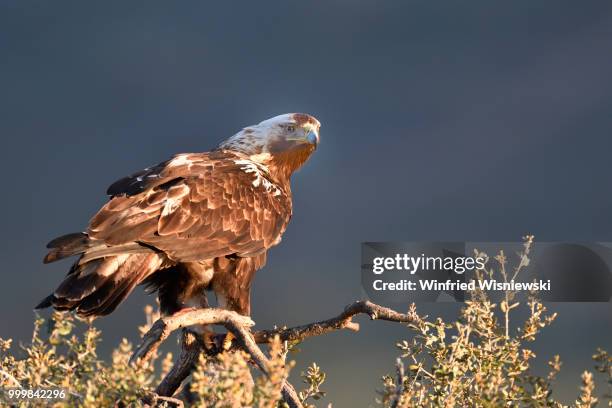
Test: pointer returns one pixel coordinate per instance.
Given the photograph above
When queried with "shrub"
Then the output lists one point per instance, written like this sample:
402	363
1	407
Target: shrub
476	361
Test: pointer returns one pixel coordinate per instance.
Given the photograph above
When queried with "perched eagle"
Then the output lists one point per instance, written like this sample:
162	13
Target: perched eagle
196	222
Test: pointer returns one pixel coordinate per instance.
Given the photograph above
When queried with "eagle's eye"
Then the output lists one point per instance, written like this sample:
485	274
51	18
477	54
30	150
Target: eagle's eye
290	128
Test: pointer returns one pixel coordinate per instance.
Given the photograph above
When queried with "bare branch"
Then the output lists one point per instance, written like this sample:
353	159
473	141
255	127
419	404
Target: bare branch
342	321
239	326
152	400
399	386
163	327
290	396
234	322
190	352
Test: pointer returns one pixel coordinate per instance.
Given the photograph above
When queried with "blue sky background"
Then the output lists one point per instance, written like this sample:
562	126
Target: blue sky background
441	121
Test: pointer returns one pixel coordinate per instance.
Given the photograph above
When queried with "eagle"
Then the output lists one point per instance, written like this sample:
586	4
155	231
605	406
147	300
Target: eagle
196	223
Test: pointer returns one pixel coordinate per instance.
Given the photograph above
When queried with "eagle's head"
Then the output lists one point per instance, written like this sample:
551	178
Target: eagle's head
282	143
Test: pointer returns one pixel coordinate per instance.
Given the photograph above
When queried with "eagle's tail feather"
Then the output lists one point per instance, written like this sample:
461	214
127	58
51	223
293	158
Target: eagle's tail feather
45	303
80	243
67	245
97	287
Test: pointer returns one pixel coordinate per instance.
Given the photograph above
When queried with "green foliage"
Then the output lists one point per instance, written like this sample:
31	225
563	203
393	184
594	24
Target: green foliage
478	361
70	362
63	360
314	378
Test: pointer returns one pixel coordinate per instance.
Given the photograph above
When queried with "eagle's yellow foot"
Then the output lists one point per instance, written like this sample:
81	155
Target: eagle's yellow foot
227	341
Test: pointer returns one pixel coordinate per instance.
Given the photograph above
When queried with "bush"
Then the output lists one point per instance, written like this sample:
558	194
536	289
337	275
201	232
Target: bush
476	361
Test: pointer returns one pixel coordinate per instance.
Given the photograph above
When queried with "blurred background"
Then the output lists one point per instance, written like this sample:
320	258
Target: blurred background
441	121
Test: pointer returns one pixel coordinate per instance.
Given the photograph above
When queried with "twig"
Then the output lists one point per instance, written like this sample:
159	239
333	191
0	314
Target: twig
290	396
74	394
10	377
399	387
153	399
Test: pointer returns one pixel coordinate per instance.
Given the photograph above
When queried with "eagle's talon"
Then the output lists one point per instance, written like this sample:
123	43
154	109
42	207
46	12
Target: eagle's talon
227	341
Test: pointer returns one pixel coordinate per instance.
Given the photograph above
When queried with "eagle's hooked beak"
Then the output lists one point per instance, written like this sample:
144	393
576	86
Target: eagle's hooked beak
313	138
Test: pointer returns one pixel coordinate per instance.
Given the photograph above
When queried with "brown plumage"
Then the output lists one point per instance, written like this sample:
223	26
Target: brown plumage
196	222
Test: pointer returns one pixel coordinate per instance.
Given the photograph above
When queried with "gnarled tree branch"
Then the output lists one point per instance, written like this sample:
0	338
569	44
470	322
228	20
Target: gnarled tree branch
240	326
191	348
342	321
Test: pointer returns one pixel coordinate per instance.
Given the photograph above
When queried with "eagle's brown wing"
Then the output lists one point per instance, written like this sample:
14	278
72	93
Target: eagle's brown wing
196	207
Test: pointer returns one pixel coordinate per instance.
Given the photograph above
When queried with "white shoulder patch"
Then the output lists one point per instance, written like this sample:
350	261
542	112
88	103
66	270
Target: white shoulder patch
258	173
180	160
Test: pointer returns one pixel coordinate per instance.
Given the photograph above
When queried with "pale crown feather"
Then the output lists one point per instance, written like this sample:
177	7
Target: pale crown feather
253	140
